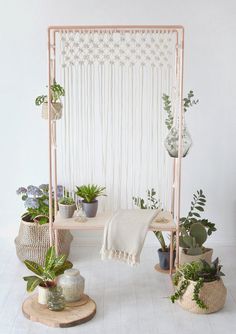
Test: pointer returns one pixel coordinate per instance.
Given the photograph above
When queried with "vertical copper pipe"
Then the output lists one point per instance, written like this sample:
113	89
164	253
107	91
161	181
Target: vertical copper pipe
180	146
50	142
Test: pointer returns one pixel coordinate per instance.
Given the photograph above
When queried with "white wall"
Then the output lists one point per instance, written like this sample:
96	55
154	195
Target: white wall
209	70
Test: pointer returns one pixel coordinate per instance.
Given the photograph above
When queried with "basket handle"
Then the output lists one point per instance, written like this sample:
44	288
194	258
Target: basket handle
39	216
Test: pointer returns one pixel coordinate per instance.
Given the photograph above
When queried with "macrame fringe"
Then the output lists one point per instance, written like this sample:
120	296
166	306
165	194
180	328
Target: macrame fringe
123	256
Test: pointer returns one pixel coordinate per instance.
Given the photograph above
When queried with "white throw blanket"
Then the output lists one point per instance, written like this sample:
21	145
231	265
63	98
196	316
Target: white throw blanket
124	235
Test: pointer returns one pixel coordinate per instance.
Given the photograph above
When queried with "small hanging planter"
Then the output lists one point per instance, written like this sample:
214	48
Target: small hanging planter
56	110
57	92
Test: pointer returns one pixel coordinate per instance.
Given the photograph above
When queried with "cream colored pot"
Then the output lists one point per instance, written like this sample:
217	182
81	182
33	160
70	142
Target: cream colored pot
43	294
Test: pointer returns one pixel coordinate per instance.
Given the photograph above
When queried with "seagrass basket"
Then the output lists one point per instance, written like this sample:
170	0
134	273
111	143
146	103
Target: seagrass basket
33	241
213	294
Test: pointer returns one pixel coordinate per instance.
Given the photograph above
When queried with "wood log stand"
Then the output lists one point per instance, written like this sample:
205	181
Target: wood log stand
74	313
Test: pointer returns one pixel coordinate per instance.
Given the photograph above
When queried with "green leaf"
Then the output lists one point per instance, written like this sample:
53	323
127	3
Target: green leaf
50	257
32	282
34	267
59	261
199	208
60	270
196	214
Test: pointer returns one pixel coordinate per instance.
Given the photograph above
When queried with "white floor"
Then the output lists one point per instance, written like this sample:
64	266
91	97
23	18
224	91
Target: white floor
129	300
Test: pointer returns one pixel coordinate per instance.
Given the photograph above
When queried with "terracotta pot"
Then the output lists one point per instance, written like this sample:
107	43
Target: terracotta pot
185	258
56	110
213	294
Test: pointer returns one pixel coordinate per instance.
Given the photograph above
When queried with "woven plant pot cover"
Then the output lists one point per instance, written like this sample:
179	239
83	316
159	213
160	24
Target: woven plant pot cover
56	110
213	294
33	242
185	258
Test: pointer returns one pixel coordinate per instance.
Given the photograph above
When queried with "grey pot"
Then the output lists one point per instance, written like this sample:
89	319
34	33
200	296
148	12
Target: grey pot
67	211
90	209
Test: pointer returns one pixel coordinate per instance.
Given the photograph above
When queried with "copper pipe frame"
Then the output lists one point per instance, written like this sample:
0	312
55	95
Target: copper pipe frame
176	188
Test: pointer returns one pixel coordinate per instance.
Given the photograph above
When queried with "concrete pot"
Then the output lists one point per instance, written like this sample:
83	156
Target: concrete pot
90	209
67	211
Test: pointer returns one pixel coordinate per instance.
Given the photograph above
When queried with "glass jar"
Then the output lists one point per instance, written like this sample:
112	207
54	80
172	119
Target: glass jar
56	300
72	284
172	142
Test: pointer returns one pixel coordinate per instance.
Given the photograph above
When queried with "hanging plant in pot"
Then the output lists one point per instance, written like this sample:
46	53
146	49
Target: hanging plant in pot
45	277
33	238
194	232
199	287
154	204
66	207
172	139
57	91
89	193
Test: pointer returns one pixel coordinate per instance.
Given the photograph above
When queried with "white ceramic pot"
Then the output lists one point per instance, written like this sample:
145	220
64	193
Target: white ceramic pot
72	284
43	294
185	258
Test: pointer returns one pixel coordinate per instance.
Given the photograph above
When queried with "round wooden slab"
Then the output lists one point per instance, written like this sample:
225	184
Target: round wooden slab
72	315
158	268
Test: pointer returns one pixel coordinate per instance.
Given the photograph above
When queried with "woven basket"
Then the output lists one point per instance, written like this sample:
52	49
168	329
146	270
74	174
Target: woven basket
185	258
33	241
56	110
213	294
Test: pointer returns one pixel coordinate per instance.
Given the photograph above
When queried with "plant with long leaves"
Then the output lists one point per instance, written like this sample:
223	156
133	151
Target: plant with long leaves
57	91
187	103
90	192
198	271
152	203
45	275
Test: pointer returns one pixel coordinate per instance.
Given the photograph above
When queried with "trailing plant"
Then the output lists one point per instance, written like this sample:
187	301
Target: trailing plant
193	229
187	103
36	201
198	271
66	201
45	275
152	203
90	192
57	91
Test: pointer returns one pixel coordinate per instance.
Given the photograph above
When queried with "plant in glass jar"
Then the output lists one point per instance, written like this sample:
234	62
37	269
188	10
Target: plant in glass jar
172	139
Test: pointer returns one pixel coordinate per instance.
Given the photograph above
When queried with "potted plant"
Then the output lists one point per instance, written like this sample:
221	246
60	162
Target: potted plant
172	139
89	193
194	232
164	251
45	276
66	207
33	238
199	287
57	91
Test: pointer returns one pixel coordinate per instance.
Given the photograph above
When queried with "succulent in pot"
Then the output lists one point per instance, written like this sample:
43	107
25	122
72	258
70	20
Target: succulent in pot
194	232
66	207
57	91
45	276
154	203
89	194
172	139
199	287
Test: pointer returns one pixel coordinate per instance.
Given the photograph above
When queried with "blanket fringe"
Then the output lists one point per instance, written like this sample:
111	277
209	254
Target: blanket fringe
113	254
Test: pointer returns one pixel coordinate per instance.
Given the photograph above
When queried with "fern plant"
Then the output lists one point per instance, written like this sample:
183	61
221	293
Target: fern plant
45	275
187	103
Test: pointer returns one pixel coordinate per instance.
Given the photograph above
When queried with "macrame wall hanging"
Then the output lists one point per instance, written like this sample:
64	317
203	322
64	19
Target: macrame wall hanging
113	126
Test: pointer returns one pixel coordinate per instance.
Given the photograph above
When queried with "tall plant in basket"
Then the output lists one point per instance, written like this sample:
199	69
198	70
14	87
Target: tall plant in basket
33	238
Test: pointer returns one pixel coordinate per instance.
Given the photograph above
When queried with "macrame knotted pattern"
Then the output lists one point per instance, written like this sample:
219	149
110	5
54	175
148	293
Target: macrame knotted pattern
113	126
